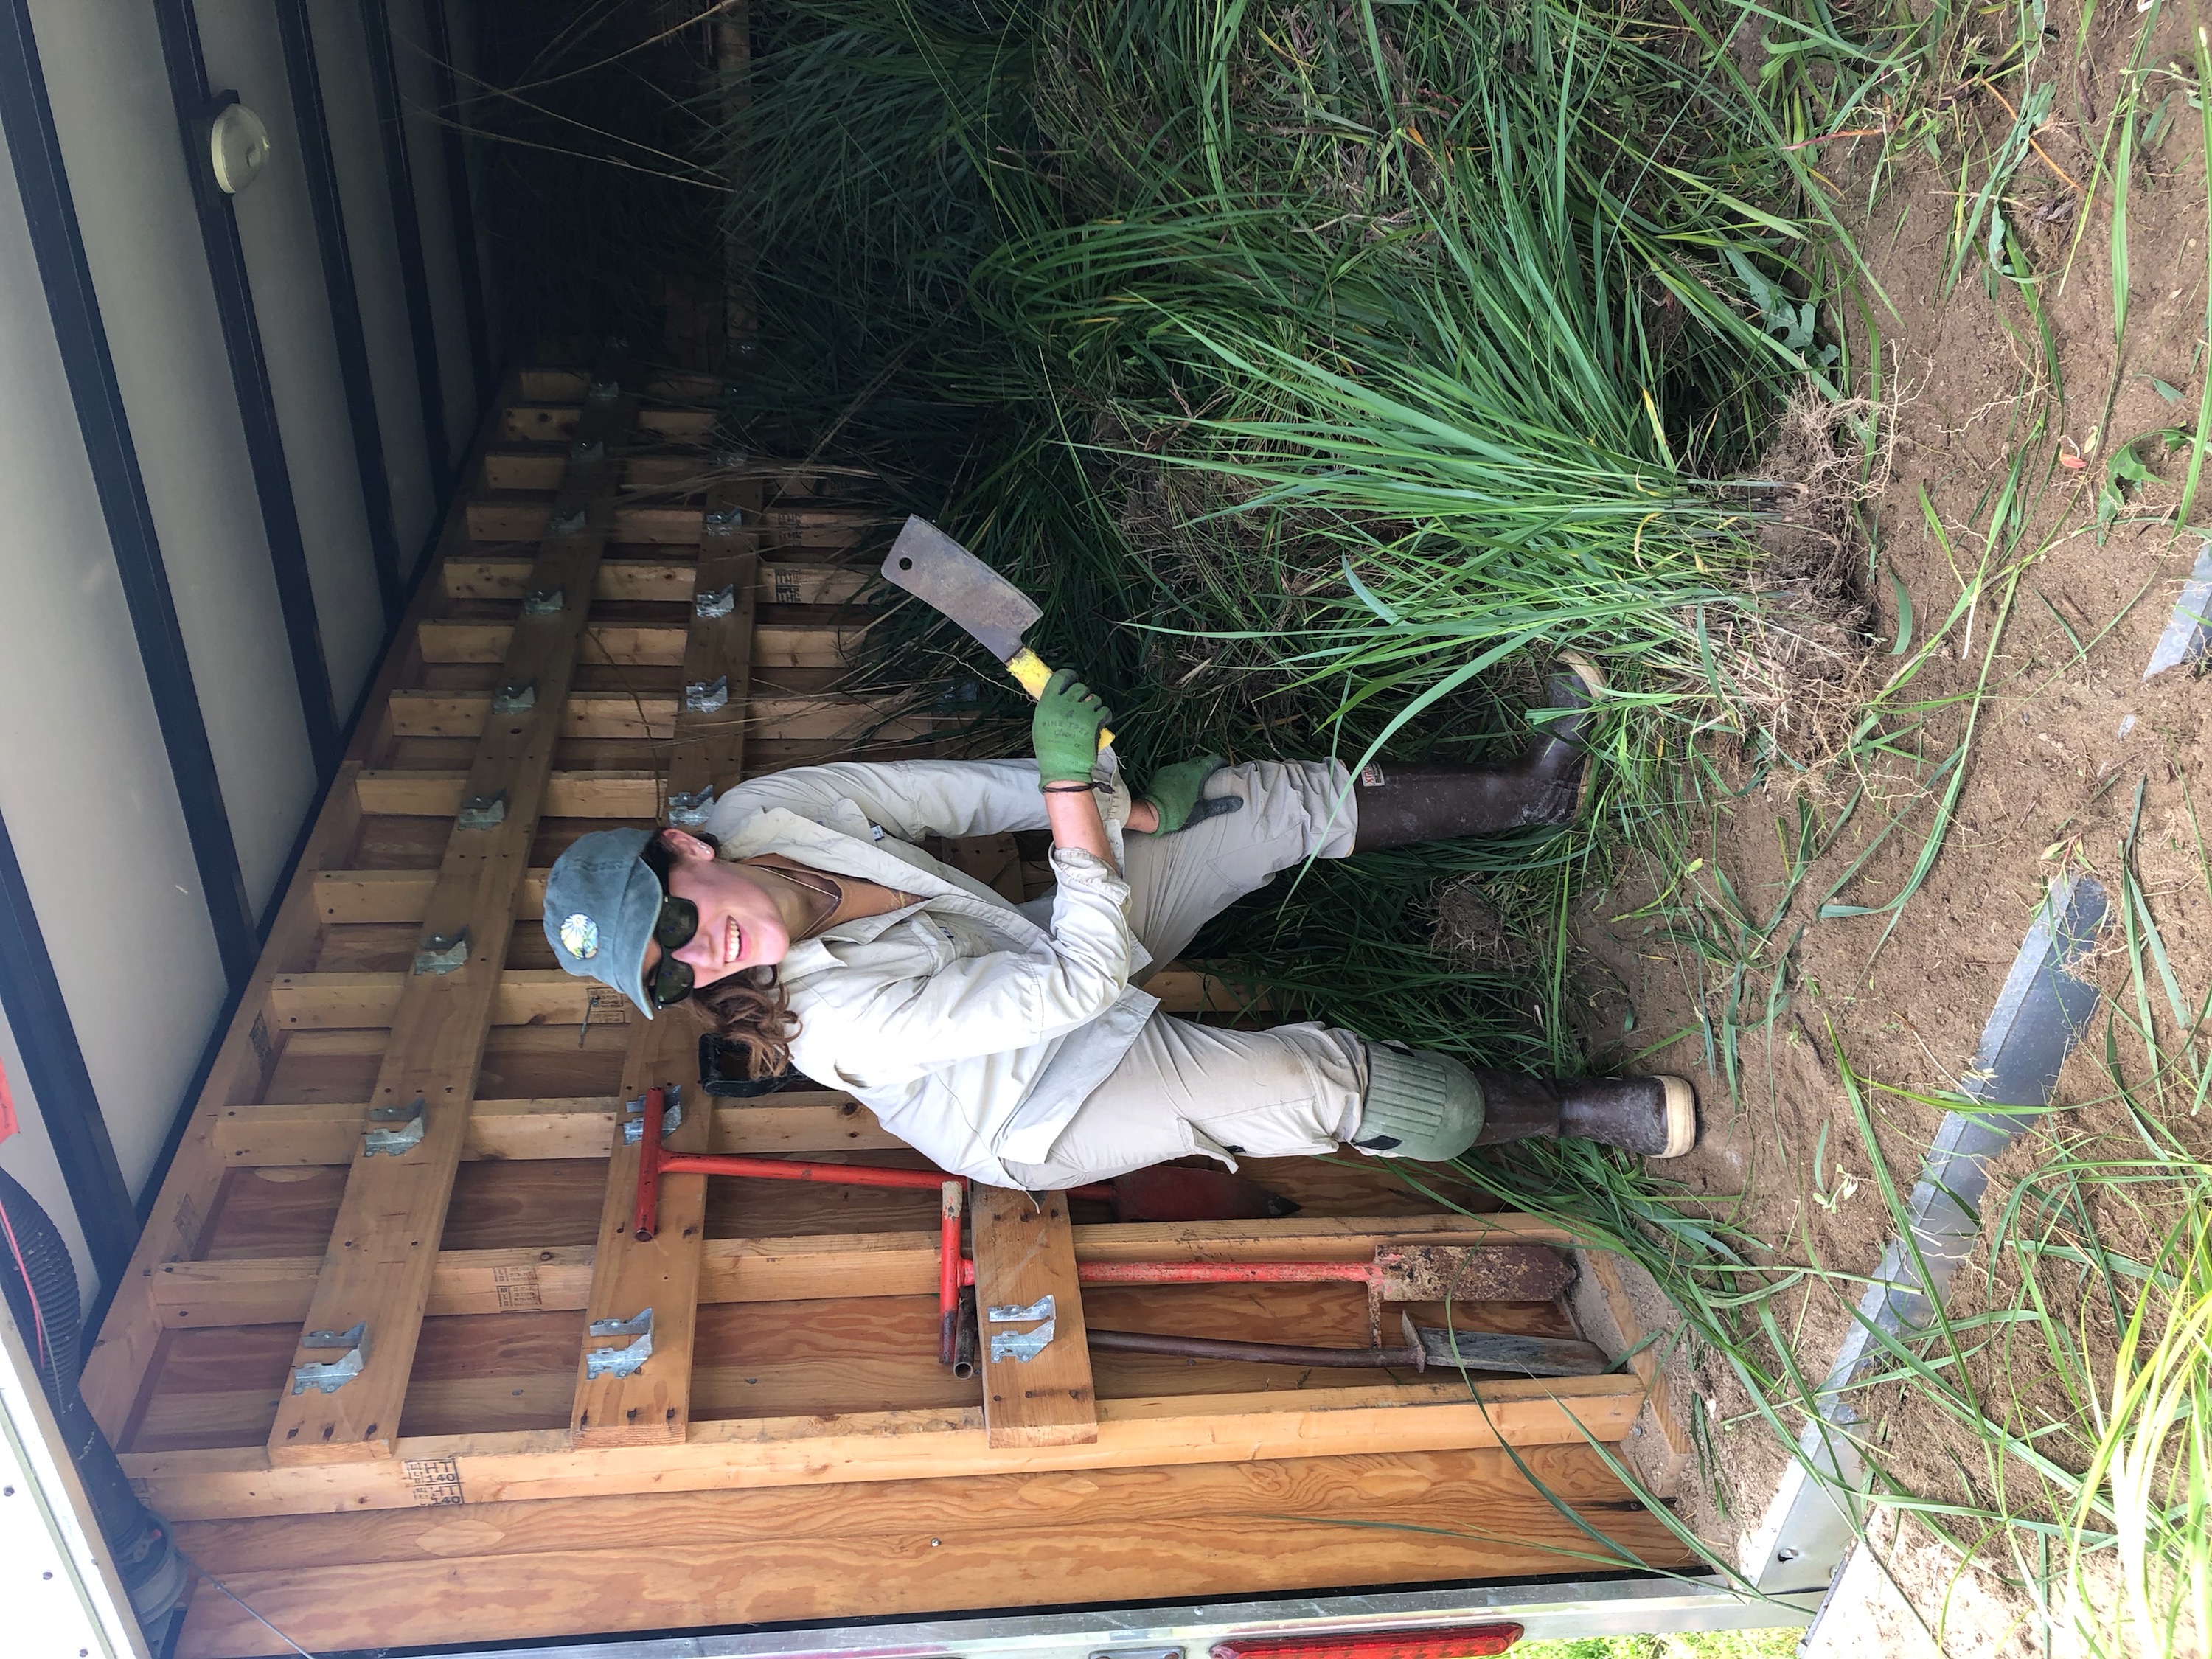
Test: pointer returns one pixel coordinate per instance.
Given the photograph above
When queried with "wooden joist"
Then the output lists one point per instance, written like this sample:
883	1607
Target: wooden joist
656	1278
869	1446
913	1548
198	1295
1030	1349
651	716
350	1380
501	518
544	423
301	1134
667	581
780	644
682	469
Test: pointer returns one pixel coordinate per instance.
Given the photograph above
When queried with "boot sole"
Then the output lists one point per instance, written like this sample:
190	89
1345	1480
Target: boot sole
1593	679
1680	1106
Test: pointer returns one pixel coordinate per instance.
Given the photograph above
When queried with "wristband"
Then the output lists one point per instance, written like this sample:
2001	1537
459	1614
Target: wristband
1070	788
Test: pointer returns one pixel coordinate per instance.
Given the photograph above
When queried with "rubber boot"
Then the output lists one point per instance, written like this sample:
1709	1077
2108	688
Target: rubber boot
1399	804
1653	1116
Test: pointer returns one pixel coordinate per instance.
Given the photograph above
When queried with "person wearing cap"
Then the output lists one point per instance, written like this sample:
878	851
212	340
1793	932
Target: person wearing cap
1015	1043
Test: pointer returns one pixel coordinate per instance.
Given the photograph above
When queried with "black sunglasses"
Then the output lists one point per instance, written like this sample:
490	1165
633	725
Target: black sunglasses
669	980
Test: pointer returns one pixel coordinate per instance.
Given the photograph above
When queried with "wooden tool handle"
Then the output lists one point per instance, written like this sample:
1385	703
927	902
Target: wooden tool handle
1030	674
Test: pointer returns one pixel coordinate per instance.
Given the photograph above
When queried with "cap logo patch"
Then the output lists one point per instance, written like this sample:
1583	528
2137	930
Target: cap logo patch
580	934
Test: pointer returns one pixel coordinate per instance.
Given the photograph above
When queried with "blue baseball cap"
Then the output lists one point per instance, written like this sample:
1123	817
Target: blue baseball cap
601	902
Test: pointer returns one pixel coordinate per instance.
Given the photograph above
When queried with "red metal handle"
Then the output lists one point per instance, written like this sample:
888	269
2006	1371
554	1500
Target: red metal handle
650	1163
948	1271
1212	1273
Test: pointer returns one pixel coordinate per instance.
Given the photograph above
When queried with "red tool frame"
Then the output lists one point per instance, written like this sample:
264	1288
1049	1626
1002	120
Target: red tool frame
955	1271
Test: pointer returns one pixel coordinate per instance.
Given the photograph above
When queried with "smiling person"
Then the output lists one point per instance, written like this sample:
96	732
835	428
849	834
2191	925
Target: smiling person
1015	1044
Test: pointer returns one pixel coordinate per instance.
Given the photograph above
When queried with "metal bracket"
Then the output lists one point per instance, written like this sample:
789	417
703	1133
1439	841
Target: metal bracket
672	1115
690	810
332	1375
441	953
725	522
1022	1347
545	602
604	391
481	811
394	1142
720	603
2189	630
515	698
625	1360
707	697
587	450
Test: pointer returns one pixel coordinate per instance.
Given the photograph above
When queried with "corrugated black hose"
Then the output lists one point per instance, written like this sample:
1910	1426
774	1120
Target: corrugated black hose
40	1282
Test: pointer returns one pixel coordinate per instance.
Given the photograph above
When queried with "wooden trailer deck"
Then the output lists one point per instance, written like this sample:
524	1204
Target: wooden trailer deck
793	1450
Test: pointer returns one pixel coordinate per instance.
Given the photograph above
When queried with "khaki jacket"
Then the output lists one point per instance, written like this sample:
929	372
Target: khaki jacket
972	1032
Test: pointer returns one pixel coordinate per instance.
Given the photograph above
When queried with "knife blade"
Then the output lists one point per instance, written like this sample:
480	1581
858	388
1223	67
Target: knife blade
945	576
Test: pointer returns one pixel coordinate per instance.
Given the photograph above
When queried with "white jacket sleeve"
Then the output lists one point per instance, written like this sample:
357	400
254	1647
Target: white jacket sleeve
908	799
1007	1000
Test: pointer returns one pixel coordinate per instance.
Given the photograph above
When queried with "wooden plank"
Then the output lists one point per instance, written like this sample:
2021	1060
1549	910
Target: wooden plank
666	581
1354	1488
1024	1252
197	1295
867	1447
557	423
518	518
825	526
777	644
525	519
1225	1531
651	716
305	1134
383	1250
568	386
540	469
653	1404
1678	1456
568	794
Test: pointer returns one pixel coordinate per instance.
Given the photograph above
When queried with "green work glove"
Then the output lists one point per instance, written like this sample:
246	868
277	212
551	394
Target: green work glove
1065	730
1175	790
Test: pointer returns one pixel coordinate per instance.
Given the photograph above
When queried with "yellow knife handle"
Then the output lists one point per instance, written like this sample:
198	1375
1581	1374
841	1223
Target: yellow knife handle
1030	674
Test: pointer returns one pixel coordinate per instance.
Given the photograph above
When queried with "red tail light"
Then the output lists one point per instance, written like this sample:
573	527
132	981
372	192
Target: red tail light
1461	1642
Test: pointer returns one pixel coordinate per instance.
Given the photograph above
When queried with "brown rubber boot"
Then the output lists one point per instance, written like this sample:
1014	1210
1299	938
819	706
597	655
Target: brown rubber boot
1399	805
1653	1116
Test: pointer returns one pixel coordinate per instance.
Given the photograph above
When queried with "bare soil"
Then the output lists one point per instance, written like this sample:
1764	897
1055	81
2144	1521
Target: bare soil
2067	741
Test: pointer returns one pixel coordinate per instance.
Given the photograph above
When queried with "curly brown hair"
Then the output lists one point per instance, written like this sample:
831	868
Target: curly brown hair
749	1008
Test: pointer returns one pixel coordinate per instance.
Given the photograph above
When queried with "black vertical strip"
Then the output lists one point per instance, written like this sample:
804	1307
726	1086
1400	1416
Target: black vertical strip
297	34
27	120
460	200
67	1105
249	379
407	231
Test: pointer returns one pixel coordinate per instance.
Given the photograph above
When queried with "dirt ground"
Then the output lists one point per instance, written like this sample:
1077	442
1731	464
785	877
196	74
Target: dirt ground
2065	740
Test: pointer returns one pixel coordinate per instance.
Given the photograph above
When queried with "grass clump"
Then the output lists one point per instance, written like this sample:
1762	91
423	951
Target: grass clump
1324	370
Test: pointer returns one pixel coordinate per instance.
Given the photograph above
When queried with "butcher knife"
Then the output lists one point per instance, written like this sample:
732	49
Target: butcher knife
945	576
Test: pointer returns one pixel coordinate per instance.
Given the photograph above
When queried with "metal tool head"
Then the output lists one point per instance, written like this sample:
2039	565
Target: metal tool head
1471	1272
945	575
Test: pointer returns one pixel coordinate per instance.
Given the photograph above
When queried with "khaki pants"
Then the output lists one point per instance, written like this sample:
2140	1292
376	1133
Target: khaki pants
1184	1087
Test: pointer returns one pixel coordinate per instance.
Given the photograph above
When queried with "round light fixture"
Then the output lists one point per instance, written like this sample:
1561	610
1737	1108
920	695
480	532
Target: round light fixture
238	148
